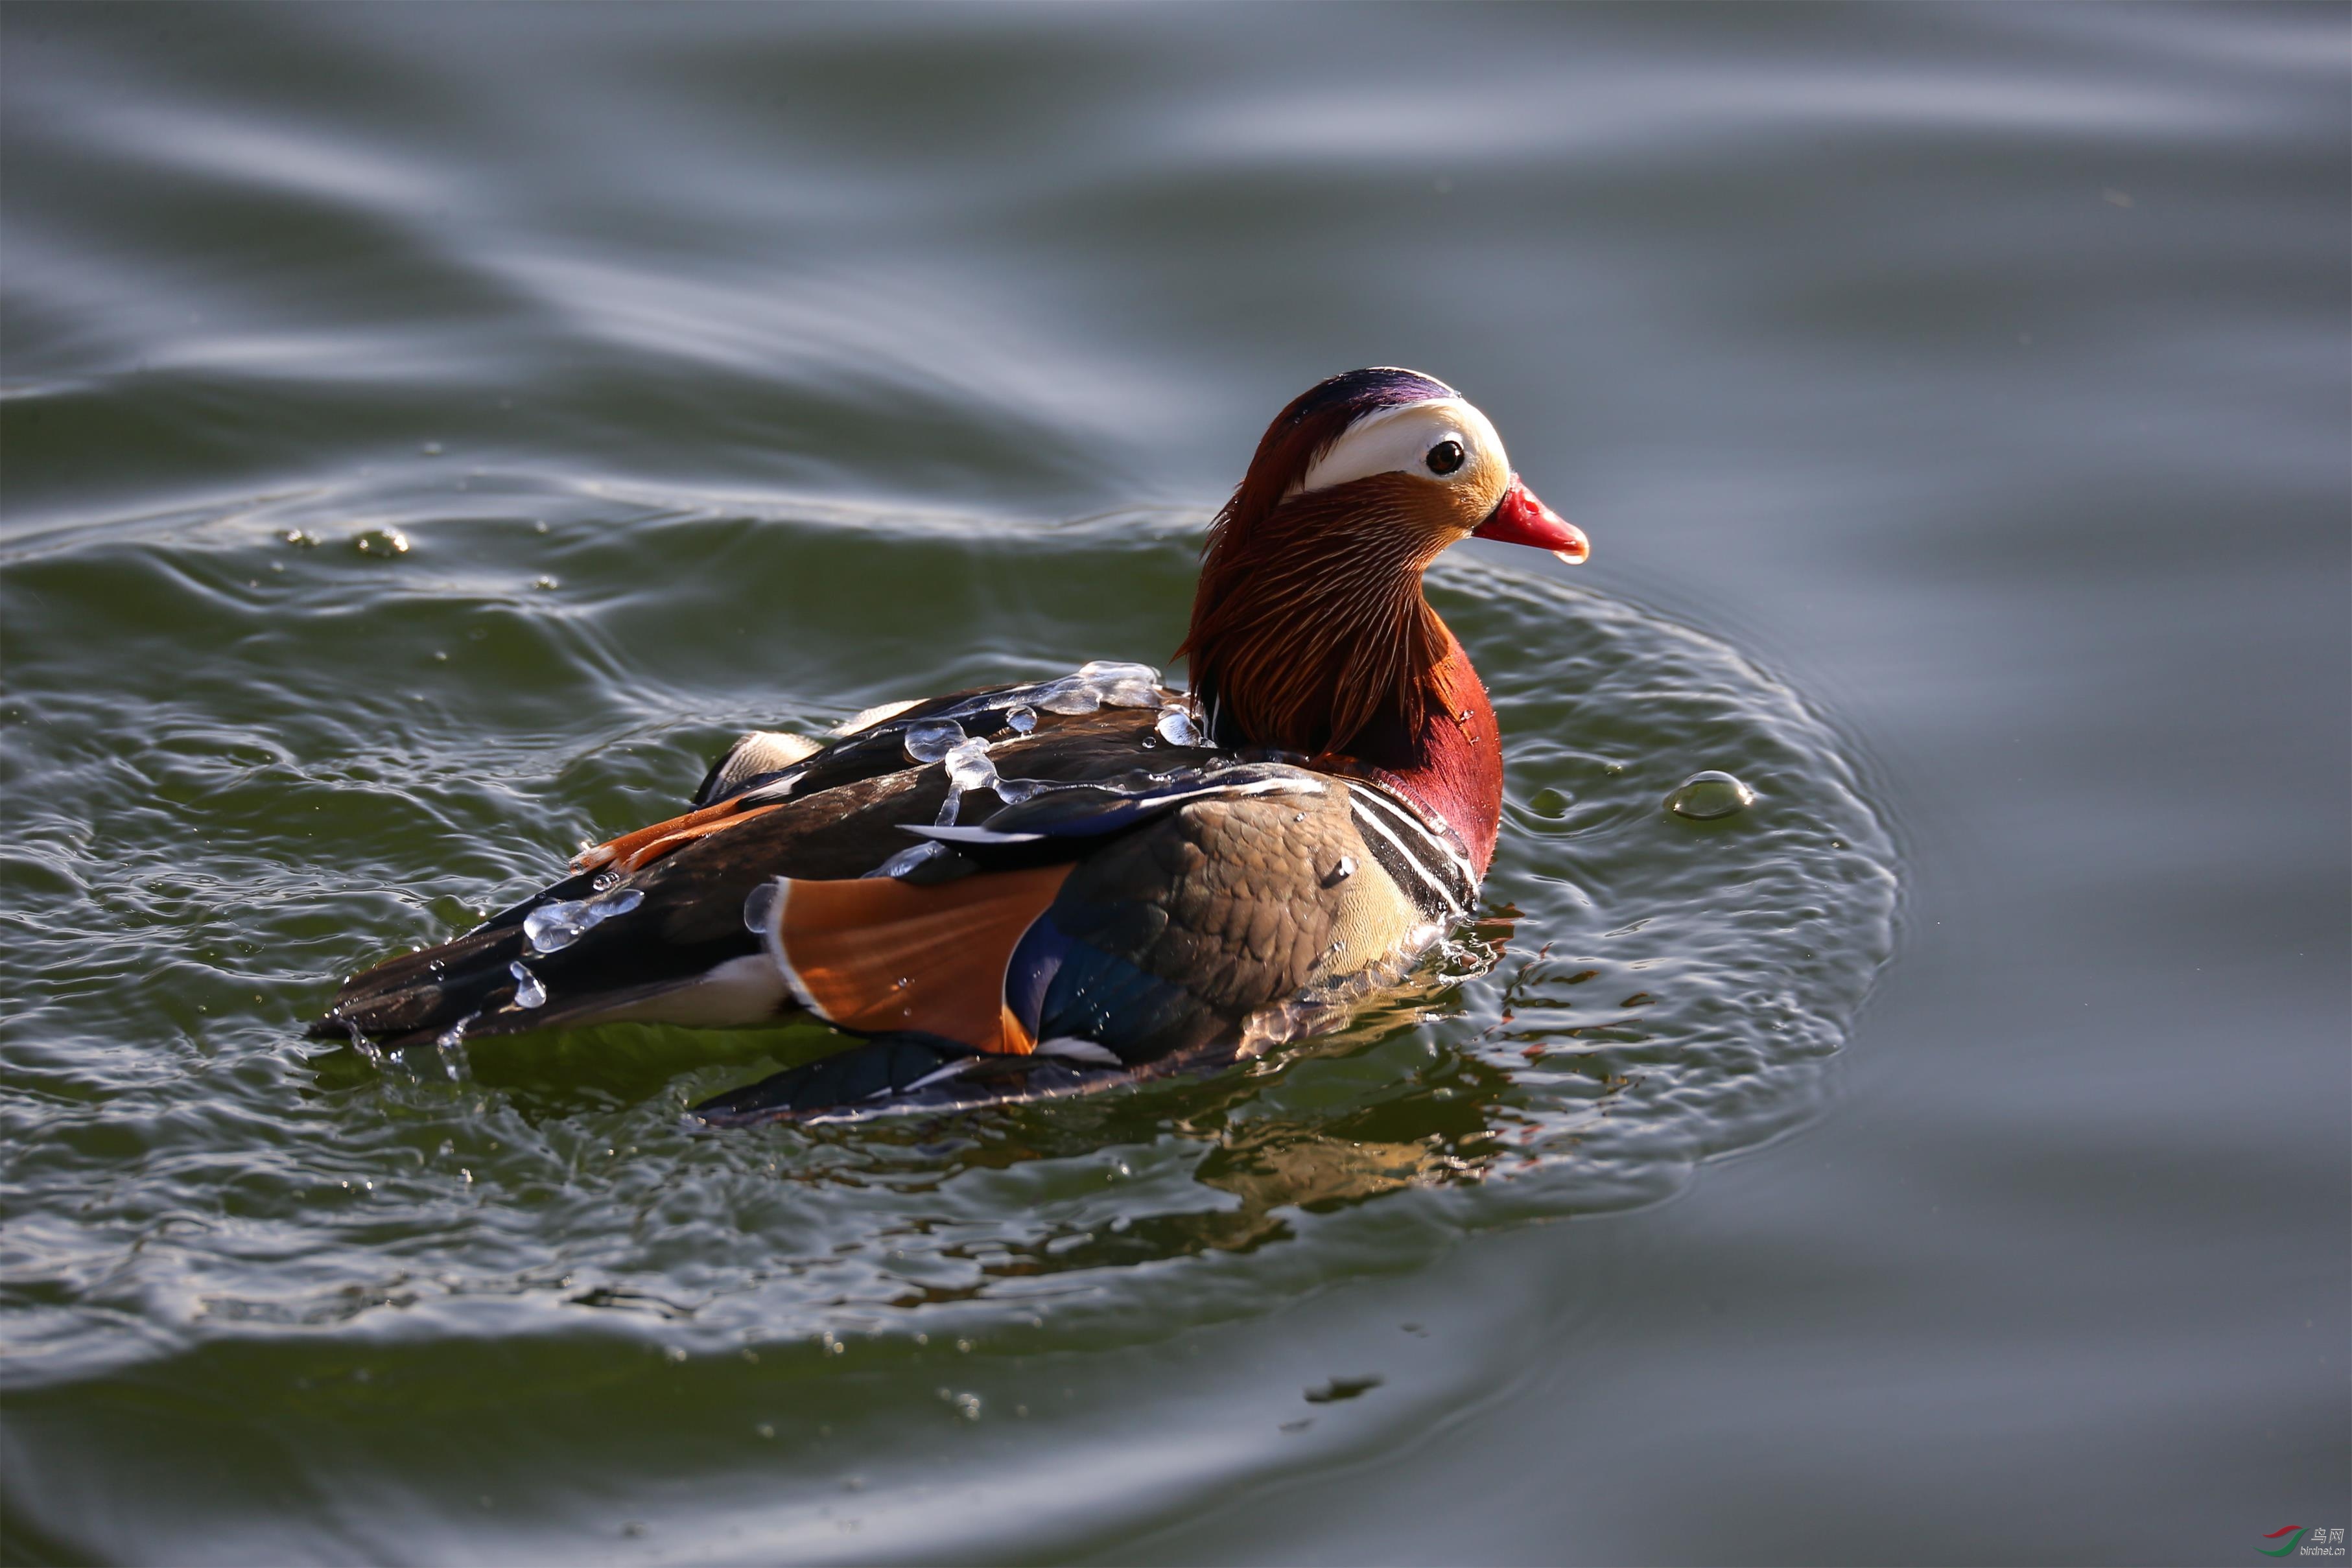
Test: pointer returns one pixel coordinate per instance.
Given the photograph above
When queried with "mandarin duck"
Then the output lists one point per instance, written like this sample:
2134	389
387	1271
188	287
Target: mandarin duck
1025	891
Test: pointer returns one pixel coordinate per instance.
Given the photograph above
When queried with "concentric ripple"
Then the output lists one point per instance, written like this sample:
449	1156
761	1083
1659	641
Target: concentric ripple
310	752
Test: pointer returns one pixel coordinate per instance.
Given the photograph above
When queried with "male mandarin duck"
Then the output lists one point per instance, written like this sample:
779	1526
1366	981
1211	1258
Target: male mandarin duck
1023	890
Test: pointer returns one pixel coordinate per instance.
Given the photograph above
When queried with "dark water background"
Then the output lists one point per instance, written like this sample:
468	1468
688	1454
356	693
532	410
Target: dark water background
1957	398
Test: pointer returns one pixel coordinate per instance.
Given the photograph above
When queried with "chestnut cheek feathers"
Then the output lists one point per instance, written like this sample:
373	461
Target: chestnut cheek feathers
1518	519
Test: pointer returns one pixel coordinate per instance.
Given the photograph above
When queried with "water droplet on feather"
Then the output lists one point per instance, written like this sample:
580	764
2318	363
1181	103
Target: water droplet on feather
552	928
905	860
529	991
1106	672
968	768
1176	727
933	739
1129	694
1068	694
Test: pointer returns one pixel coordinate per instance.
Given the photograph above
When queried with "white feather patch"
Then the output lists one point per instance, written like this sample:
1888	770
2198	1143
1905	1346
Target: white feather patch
1076	1047
736	994
1399	439
757	752
872	715
765	919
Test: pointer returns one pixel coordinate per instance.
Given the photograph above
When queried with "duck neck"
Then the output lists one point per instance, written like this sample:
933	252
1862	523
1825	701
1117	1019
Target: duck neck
1337	655
1451	763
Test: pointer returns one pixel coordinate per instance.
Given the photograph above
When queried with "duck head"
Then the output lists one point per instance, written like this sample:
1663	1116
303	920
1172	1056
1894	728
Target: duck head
1309	632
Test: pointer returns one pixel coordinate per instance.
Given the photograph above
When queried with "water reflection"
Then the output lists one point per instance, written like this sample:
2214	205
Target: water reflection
1446	1124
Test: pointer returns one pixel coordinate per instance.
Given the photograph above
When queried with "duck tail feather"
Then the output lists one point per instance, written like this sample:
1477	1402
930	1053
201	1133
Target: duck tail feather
416	996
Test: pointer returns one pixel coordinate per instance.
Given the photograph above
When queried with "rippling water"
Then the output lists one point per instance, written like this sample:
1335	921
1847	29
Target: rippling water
428	435
1679	981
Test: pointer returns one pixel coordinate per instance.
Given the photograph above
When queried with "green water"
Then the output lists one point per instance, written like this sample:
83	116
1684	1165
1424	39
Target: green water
429	434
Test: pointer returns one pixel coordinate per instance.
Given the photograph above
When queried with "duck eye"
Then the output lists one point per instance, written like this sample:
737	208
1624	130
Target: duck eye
1444	457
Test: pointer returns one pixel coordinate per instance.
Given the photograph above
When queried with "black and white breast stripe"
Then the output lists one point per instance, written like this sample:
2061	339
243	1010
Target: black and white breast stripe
1421	859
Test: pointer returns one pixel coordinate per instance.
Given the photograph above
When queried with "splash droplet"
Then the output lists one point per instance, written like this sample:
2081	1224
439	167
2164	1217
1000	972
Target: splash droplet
450	1046
381	543
1703	797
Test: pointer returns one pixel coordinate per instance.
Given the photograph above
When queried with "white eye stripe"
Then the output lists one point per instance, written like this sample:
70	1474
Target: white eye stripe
1398	440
